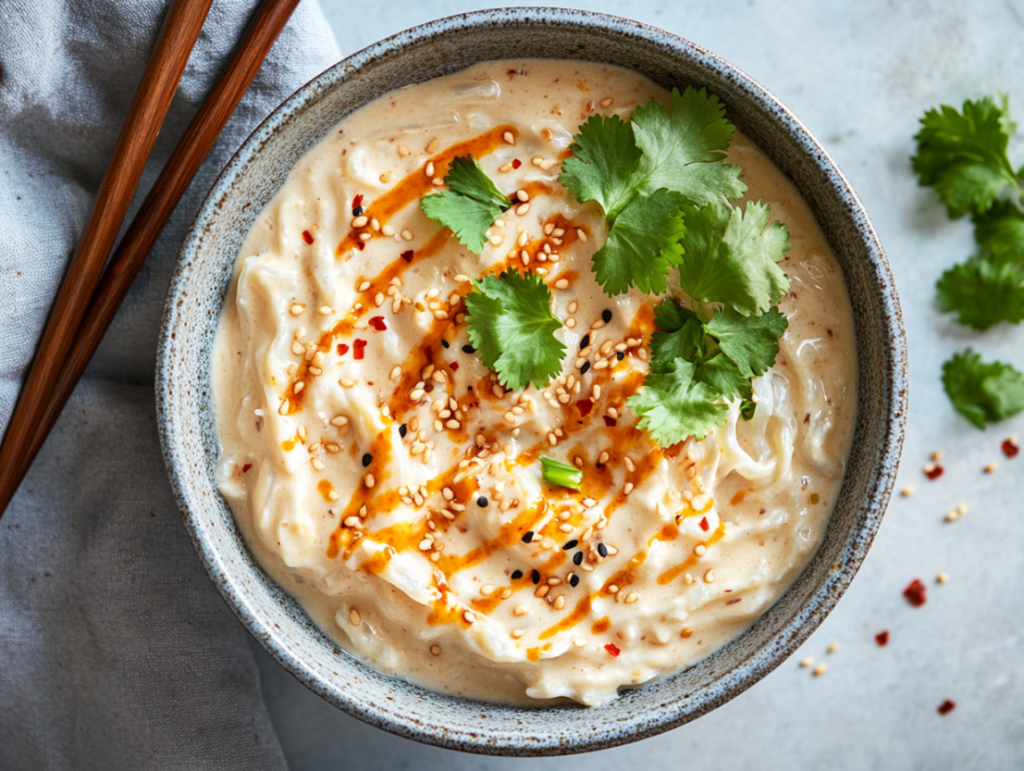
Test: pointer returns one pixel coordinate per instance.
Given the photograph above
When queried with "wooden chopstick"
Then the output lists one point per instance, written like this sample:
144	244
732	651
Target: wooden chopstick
178	35
265	27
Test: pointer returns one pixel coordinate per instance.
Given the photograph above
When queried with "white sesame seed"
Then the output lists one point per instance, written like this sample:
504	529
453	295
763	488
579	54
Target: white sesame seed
517	633
407	235
509	137
317	464
297	309
403	151
360	221
581	234
709	576
522	209
522	195
369	481
433	145
339	420
833	647
942	578
468	617
353	617
807	662
607	102
820	670
297	388
429	170
562	284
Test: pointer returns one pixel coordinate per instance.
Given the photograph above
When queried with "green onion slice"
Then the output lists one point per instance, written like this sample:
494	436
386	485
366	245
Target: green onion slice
561	474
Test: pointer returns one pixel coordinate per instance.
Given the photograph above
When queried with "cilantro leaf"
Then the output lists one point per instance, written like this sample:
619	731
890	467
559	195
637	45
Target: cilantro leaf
642	244
963	155
680	335
731	257
605	157
983	293
983	392
470	205
751	341
673	406
510	322
999	232
683	152
722	355
722	375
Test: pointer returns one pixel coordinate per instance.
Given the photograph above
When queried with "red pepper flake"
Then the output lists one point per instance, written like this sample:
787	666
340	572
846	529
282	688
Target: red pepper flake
933	471
882	638
307	236
584	406
516	163
407	255
610	422
1011	448
378	323
454	365
612	649
358	346
357	201
946	707
733	602
342	349
704	524
916	593
246	467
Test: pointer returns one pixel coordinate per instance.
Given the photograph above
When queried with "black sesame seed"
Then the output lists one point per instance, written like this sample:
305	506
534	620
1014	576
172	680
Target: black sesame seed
446	344
367	460
403	430
620	355
535	577
602	550
481	502
606	316
575	580
571	545
356	211
585	368
584	342
577	558
468	349
528	537
517	574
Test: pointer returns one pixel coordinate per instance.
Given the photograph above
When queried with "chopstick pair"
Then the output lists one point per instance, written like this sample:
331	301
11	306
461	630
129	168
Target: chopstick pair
89	297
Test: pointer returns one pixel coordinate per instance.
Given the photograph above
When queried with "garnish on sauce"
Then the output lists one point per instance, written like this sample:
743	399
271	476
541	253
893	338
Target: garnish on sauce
511	324
470	205
561	474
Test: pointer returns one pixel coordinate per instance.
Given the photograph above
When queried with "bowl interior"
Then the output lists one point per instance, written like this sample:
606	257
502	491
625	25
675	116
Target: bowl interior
191	446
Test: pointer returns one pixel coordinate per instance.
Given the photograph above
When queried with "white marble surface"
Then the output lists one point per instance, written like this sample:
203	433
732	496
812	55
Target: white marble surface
859	73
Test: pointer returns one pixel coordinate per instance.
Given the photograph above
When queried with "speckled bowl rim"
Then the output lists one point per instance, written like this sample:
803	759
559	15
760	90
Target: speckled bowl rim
534	738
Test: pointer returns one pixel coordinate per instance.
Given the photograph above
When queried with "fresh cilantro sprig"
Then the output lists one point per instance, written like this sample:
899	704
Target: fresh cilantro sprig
470	205
983	392
641	173
700	364
983	292
732	256
510	322
963	154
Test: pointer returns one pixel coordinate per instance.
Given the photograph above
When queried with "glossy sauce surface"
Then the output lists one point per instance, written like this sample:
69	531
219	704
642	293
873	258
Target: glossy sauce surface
381	474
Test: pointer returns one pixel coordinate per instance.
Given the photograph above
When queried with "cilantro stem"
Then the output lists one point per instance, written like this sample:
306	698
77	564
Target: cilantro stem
561	474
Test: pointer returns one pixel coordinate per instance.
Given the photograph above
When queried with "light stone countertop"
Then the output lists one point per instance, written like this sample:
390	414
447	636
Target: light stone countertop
859	75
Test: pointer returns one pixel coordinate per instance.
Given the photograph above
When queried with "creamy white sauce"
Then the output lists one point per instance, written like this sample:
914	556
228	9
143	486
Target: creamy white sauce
700	540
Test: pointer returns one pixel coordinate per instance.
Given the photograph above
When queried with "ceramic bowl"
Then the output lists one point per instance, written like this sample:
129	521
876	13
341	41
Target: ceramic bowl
190	442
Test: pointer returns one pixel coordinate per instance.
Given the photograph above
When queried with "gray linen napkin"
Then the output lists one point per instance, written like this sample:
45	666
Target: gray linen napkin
115	650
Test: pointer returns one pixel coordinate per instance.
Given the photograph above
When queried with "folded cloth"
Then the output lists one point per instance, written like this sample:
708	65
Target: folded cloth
115	650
